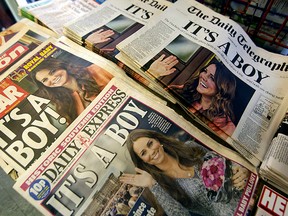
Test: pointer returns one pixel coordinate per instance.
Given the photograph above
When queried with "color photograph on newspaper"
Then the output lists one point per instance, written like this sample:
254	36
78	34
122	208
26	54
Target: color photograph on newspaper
202	83
105	38
41	98
115	21
122	134
11	54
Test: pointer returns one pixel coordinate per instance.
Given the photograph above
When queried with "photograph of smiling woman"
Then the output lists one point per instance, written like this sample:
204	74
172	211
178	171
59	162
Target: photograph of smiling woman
70	87
173	171
211	93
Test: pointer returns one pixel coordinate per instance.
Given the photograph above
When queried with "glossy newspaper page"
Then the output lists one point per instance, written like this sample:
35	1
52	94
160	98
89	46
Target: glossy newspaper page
91	167
270	200
211	65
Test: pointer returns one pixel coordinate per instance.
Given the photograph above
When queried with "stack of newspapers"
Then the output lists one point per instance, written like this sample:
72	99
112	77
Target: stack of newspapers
54	14
90	121
103	28
274	165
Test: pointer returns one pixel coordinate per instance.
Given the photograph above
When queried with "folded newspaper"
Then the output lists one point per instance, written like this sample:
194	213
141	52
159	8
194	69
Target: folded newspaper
89	170
275	164
44	93
103	28
10	32
16	42
20	39
217	73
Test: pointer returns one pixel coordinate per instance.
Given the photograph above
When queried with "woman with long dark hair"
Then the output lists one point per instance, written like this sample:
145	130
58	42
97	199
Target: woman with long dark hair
175	173
70	87
209	94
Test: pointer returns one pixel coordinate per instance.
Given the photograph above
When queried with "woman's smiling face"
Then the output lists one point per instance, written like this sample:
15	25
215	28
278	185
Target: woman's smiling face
149	150
52	78
206	85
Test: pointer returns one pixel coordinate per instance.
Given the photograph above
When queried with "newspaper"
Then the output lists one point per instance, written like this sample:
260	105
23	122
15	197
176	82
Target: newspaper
270	201
134	84
103	28
10	32
24	37
275	163
79	174
55	13
190	36
16	42
21	3
38	102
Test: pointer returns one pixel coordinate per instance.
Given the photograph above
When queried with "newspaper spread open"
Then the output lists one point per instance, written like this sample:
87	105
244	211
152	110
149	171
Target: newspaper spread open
55	13
38	103
79	173
190	36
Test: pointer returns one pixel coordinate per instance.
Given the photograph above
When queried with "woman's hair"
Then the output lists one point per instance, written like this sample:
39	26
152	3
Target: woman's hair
60	96
221	105
185	155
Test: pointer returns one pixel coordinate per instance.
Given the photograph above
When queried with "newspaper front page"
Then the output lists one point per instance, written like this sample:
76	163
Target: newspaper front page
26	36
55	13
79	174
271	201
252	91
106	26
16	42
9	33
43	94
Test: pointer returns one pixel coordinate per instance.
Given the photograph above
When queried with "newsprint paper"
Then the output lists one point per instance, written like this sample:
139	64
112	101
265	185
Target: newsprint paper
32	112
16	42
275	165
26	36
252	92
79	174
8	33
104	27
271	201
55	13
